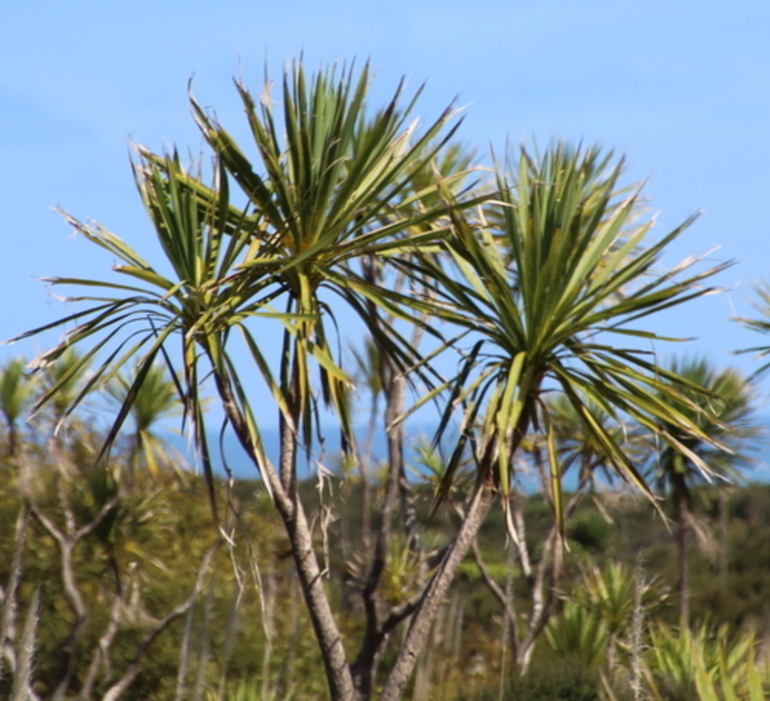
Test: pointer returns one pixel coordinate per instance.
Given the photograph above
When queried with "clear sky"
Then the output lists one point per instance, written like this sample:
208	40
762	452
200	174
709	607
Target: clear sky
683	88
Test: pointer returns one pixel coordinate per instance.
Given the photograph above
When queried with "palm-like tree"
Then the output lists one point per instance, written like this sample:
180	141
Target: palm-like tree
156	399
704	664
577	446
16	395
326	197
540	291
723	410
544	292
612	594
62	385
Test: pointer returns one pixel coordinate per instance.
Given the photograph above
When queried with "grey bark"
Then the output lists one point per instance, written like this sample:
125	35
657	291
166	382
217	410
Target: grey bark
421	622
296	525
135	666
67	540
8	618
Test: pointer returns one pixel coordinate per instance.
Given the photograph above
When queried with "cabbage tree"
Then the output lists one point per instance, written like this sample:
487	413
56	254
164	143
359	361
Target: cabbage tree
551	284
723	407
331	190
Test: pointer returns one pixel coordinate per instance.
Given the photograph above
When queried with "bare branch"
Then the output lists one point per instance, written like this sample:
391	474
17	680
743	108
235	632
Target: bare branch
8	618
135	666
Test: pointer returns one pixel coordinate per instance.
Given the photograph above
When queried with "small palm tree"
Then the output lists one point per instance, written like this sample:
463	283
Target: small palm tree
577	446
722	407
155	400
698	665
580	633
563	266
17	391
62	386
612	594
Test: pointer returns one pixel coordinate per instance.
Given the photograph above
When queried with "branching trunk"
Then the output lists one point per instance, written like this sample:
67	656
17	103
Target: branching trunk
542	585
502	596
102	652
423	617
66	540
380	618
543	599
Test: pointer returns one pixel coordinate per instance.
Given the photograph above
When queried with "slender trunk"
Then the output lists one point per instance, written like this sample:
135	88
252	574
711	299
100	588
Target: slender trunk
722	491
300	538
311	580
365	666
366	483
204	645
637	631
410	515
683	538
395	388
185	652
23	678
66	541
543	598
288	457
421	622
231	634
8	617
544	584
12	440
509	619
101	652
683	545
72	644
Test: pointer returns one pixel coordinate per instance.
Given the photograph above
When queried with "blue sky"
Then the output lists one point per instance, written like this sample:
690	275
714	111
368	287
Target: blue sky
682	88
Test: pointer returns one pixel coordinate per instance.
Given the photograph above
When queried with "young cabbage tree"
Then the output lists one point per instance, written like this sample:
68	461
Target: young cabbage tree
722	406
155	400
16	395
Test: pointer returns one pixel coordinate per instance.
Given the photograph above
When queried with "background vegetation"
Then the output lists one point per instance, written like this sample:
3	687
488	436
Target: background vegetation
243	632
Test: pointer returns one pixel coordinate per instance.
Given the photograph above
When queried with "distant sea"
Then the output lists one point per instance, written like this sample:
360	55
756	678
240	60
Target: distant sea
237	461
242	467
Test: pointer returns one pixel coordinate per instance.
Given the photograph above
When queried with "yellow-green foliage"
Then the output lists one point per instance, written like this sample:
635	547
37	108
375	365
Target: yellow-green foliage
146	554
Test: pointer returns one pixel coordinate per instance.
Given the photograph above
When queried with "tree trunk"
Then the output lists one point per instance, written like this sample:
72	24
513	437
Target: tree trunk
292	513
311	580
683	545
722	491
428	607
